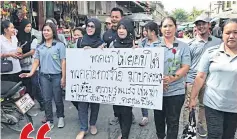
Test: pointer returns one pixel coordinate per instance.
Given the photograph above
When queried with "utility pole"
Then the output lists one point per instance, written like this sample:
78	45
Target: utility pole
209	11
49	9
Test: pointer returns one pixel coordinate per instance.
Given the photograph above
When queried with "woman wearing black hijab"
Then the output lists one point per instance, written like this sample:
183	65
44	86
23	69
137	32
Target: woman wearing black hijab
25	39
124	39
91	39
28	44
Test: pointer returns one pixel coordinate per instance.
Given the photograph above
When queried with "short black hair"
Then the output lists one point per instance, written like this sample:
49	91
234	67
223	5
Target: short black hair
231	20
5	24
117	10
171	18
152	26
80	29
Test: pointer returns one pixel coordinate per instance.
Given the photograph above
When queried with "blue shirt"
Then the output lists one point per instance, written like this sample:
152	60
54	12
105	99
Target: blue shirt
221	83
183	56
50	57
197	48
144	43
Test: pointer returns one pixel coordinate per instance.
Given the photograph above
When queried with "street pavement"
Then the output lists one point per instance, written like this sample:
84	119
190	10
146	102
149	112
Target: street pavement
105	131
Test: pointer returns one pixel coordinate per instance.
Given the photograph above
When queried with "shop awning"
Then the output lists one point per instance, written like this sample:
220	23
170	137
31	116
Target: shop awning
133	6
140	17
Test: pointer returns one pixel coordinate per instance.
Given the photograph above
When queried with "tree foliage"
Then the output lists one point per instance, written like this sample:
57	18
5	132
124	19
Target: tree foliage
180	15
194	14
183	16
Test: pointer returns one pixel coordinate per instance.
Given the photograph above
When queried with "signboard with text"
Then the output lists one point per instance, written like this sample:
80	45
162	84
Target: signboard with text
128	77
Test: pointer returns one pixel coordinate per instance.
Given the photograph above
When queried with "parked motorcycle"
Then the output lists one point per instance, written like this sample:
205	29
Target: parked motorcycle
15	104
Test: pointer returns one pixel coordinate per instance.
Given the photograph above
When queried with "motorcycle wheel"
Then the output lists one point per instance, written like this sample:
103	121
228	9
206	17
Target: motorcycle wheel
22	120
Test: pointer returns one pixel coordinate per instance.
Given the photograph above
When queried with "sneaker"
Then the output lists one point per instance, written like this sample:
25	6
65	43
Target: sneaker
60	122
144	121
93	130
81	135
51	125
201	131
114	121
120	137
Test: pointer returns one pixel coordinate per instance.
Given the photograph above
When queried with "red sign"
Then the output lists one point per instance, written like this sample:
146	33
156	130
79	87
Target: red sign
40	134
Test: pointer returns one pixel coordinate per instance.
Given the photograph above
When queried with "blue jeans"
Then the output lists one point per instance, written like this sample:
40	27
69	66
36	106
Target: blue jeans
144	112
36	91
51	88
83	114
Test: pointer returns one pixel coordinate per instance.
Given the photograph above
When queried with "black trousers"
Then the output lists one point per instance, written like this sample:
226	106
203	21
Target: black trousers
169	115
115	108
75	103
124	114
220	125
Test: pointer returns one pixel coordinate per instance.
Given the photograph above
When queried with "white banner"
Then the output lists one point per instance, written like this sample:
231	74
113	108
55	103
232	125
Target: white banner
129	77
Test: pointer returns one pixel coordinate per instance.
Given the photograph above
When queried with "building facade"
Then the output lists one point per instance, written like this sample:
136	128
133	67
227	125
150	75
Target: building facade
221	7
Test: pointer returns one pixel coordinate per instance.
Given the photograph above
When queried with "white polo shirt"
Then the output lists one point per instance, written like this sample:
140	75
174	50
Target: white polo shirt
7	47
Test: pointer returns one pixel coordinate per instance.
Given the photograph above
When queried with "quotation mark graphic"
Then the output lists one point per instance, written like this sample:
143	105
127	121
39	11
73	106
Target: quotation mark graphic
26	131
40	134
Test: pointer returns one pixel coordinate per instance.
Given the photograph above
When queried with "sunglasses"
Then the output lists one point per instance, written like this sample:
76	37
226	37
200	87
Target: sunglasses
90	26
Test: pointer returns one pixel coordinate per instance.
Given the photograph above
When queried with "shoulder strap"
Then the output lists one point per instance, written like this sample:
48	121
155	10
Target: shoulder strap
143	42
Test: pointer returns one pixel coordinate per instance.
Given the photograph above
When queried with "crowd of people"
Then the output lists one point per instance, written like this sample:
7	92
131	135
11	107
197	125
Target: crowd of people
207	69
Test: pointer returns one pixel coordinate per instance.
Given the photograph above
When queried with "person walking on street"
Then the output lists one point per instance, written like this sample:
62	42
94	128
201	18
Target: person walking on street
124	39
217	70
29	43
174	88
50	55
109	36
198	45
150	39
10	51
92	39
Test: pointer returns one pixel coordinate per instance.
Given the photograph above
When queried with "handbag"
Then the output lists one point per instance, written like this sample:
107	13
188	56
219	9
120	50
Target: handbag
190	130
6	65
26	61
